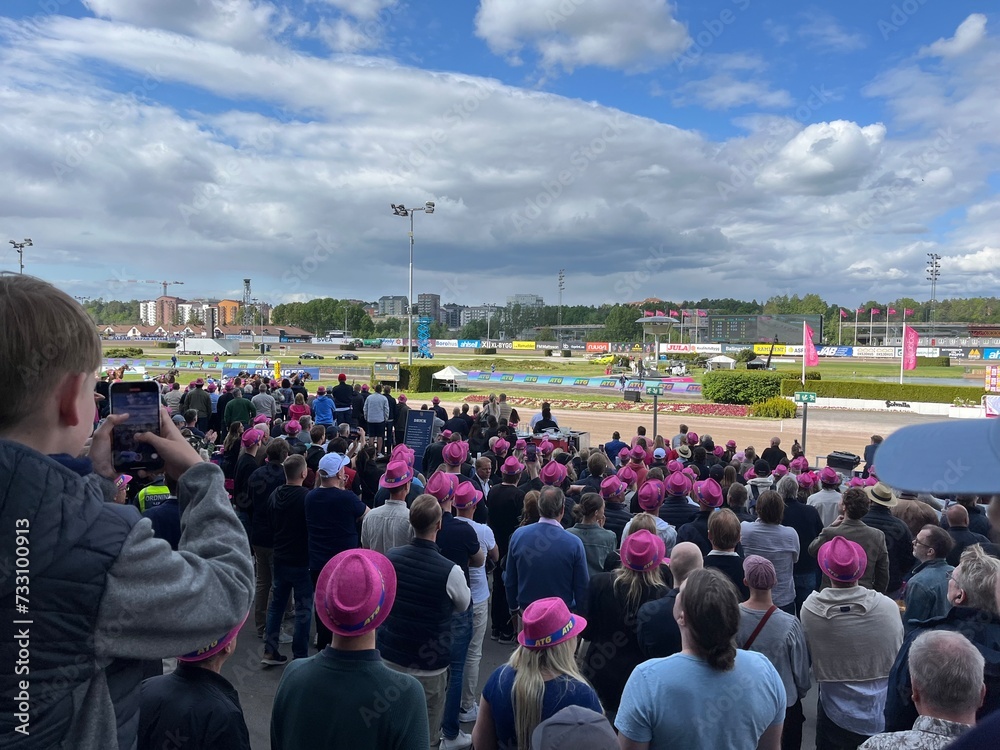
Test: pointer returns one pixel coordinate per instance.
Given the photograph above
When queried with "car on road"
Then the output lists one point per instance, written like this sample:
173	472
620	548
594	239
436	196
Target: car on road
311	355
346	355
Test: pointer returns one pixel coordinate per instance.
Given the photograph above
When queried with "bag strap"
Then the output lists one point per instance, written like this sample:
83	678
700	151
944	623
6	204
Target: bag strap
760	626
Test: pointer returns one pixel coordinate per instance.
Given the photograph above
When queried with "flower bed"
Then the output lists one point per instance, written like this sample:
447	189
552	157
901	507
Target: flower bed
697	409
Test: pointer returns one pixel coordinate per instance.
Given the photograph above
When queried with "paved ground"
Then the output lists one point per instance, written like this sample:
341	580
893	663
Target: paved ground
828	430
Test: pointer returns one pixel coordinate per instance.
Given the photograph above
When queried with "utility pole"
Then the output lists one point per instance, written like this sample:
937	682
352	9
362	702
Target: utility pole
562	286
19	248
933	272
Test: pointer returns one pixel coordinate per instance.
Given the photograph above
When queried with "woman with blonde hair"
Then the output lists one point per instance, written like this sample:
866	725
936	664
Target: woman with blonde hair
299	409
613	602
540	679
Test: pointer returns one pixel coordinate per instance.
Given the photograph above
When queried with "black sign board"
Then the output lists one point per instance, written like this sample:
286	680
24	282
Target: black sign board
419	427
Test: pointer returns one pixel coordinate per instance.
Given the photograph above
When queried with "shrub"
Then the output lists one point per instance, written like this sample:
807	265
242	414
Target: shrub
123	352
566	353
933	361
166	345
417	378
489	350
745	355
774	408
934	394
548	352
349	347
746	386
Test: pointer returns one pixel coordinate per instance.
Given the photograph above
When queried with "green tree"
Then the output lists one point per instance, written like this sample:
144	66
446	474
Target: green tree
620	324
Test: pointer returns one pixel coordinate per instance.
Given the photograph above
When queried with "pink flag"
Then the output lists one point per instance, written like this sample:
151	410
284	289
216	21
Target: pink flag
685	313
647	313
660	313
907	311
673	313
892	311
702	314
843	313
876	311
861	310
910	340
812	359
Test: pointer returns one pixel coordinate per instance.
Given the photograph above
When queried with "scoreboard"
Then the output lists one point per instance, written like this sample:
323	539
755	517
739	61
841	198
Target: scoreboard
750	329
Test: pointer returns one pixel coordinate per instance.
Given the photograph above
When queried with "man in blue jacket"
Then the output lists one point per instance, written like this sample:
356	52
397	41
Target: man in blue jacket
544	560
323	409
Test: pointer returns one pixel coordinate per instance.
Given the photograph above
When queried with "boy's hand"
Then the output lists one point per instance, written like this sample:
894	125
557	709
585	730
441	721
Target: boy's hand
100	446
177	454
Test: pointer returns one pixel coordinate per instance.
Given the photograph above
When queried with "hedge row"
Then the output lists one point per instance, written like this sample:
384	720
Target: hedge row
933	361
774	408
123	352
417	378
934	394
746	387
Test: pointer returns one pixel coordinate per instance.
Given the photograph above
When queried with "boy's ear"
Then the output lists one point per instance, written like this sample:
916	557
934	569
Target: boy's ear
68	400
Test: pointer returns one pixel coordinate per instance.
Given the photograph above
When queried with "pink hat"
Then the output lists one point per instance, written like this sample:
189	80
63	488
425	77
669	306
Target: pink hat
637	453
718	451
807	479
442	485
355	592
206	652
677	485
642	550
500	447
546	447
799	463
293	427
871	481
709	493
548	622
692	438
751	474
627	475
261	418
623	453
198	382
435	400
553	473
842	560
730	443
675	466
402	452
321	391
466	495
759	573
520	445
855	482
780	470
740	456
212	388
511	466
229	387
401	398
364	387
829	476
397	473
651	494
446	434
342	377
122	480
454	454
251	437
691	472
612	487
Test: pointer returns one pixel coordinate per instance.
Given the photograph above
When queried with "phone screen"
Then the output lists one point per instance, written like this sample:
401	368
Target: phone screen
143	408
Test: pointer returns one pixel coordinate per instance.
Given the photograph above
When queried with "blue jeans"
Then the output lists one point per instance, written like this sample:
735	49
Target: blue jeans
298	581
461	636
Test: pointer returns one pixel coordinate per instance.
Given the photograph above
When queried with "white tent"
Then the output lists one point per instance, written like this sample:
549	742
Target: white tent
450	373
722	362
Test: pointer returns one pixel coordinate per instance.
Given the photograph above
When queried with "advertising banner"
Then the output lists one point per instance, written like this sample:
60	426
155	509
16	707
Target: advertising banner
974	353
765	349
708	348
469	343
993	378
955	352
524	345
991	353
676	348
445	343
598	346
734	348
875	352
835	351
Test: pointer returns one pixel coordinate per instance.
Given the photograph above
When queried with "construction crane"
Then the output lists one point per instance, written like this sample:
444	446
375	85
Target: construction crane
147	281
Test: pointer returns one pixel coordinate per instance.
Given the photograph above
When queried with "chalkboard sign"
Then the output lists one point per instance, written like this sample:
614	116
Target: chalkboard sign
419	427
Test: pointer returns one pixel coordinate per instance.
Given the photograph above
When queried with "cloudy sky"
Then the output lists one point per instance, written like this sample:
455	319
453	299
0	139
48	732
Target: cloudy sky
721	148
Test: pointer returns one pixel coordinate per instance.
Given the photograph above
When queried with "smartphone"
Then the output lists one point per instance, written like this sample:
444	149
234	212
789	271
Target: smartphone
141	401
531	453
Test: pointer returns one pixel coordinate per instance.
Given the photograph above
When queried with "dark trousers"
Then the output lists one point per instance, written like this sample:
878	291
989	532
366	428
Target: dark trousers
499	613
791	733
829	736
323	635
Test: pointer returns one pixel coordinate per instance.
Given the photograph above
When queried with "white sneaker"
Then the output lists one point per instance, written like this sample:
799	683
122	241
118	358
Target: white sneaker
470	716
283	637
462	742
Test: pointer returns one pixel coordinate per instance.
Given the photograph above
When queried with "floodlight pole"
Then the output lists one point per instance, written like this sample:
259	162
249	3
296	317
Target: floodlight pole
401	210
19	247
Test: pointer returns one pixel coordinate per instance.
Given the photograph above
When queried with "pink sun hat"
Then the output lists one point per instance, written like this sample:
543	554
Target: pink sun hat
642	550
355	592
548	622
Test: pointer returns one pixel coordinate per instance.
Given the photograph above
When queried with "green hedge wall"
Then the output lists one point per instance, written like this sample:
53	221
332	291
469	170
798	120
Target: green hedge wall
774	408
746	387
417	378
934	394
123	352
933	361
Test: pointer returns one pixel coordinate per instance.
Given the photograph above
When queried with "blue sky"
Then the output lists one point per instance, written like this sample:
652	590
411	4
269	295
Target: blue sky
728	148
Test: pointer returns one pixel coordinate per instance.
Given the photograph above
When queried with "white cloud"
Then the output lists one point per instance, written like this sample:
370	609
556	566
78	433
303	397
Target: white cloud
723	91
825	158
968	35
822	31
363	9
575	33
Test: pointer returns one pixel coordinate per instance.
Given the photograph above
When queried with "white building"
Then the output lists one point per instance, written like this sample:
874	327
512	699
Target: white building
147	313
525	300
201	310
480	312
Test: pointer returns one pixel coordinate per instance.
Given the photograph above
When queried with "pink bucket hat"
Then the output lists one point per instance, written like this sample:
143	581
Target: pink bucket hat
454	454
251	437
442	486
651	494
511	466
709	493
842	560
206	652
467	495
355	592
553	473
642	550
612	487
677	485
397	473
548	622
829	476
627	475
